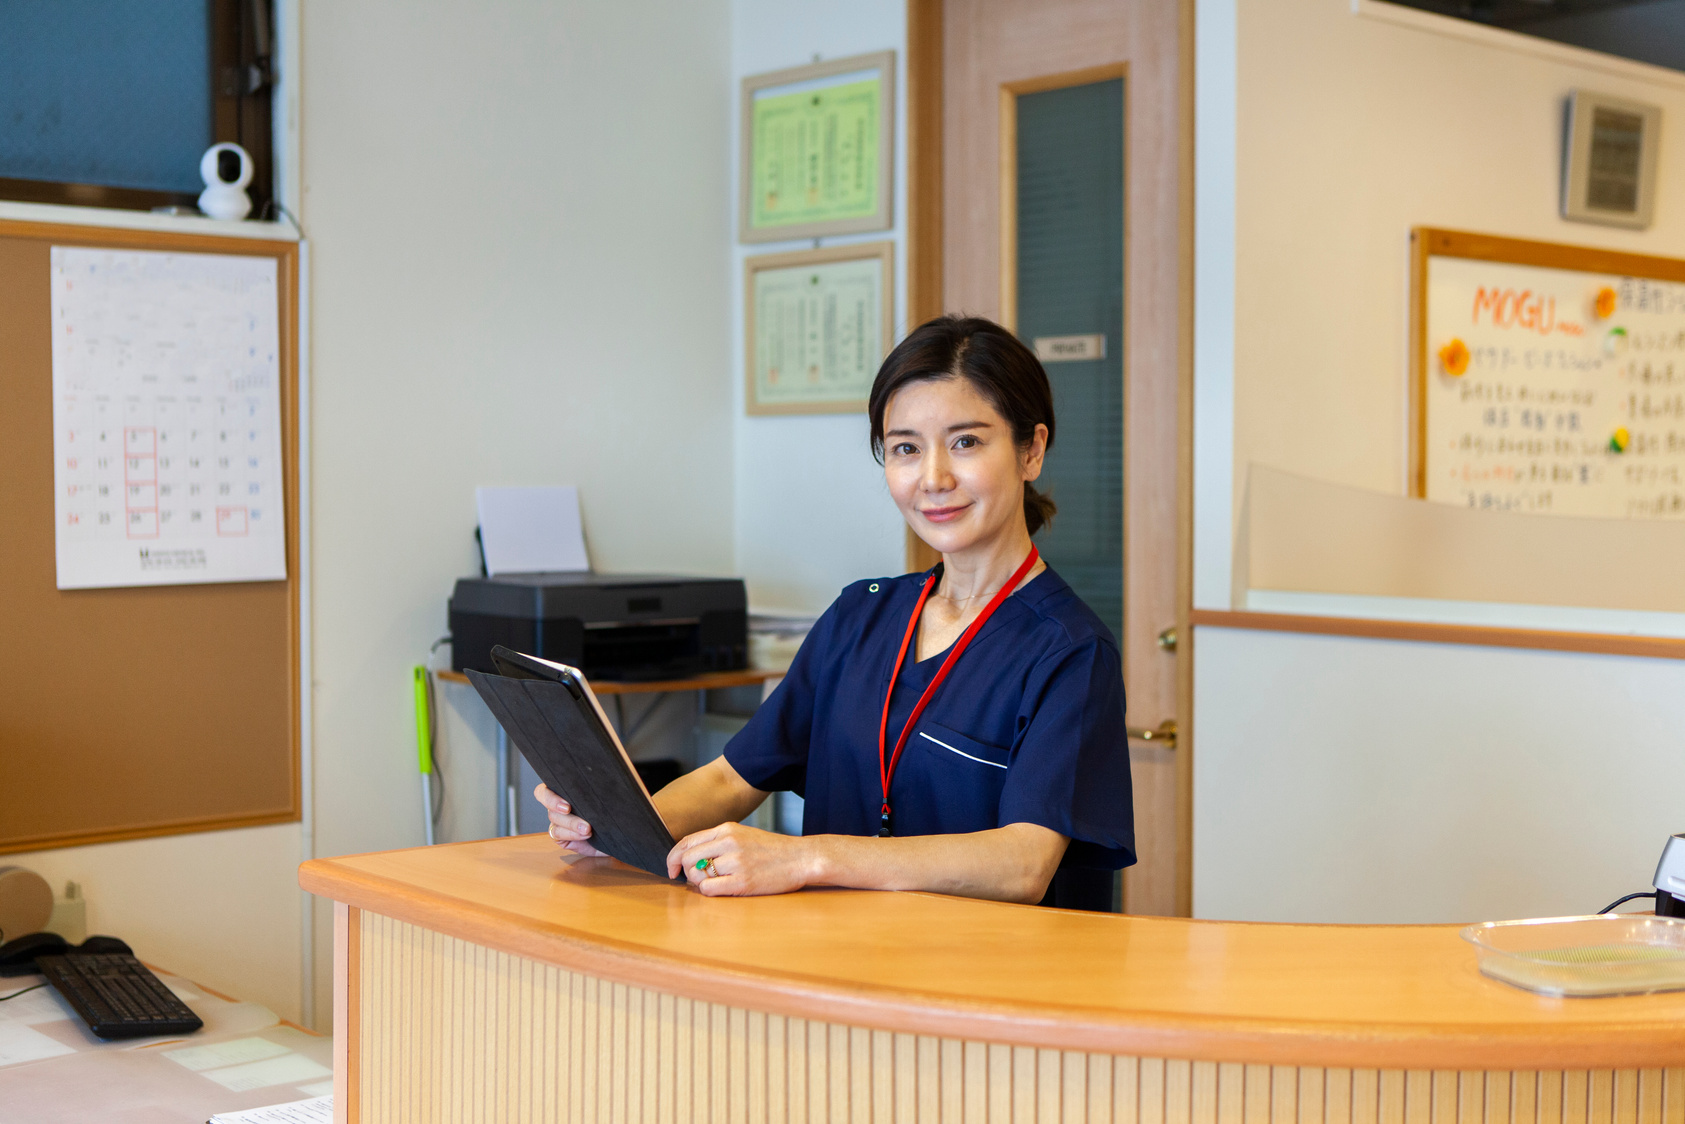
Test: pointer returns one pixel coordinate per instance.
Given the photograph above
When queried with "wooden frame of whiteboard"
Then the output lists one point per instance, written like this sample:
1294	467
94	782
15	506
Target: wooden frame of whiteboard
286	253
1431	242
882	252
881	219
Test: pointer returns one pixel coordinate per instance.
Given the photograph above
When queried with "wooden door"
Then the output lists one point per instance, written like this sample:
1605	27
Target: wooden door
971	65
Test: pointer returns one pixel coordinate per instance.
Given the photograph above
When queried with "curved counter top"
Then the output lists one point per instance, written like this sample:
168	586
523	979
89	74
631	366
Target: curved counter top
1394	997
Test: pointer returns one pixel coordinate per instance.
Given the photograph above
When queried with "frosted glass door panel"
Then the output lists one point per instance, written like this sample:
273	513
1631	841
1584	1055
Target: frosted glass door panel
1070	284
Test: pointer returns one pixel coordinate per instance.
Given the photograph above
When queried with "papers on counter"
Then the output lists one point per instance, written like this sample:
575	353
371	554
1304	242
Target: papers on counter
233	1052
20	1043
41	1005
45	1012
186	1081
286	1069
317	1110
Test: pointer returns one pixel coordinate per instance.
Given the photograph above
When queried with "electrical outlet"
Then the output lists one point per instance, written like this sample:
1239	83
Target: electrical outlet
70	915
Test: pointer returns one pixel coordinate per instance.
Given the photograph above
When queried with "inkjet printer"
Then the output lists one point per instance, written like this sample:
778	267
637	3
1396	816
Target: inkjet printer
610	626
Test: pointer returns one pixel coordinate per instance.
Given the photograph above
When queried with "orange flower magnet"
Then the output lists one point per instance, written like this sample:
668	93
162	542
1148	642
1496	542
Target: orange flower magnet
1605	304
1454	357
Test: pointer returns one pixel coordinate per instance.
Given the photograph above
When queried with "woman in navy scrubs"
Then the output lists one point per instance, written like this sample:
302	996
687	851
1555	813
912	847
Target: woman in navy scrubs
960	730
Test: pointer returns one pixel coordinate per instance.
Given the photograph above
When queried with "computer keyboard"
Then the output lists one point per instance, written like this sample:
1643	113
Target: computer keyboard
117	995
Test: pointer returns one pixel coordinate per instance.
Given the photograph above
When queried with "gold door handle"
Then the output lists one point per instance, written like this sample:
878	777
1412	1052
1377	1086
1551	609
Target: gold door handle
1163	734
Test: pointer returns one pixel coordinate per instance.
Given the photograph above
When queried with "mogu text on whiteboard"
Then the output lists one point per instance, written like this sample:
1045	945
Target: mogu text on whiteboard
166	418
1553	390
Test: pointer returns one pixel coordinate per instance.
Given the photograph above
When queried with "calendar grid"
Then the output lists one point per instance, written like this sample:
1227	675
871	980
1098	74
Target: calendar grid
167	439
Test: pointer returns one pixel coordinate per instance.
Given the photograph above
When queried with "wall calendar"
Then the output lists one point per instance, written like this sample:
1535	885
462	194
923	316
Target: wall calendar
166	418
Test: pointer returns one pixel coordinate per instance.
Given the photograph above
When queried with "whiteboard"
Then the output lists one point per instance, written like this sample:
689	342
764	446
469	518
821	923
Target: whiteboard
166	418
1551	390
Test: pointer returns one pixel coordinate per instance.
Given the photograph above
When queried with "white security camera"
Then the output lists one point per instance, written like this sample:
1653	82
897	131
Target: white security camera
226	170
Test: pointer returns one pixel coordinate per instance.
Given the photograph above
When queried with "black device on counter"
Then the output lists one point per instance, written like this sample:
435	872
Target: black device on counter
1670	879
1669	883
610	626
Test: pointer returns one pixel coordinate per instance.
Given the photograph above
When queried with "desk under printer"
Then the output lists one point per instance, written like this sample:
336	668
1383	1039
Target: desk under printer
610	626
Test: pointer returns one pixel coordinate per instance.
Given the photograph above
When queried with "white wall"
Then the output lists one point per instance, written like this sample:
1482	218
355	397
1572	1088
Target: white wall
219	907
811	507
1357	780
1366	780
519	221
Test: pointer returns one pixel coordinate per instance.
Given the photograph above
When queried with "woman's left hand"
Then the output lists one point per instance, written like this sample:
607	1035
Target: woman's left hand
744	861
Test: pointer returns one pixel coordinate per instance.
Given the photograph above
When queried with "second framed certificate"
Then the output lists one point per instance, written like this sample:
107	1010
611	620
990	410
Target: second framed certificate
818	325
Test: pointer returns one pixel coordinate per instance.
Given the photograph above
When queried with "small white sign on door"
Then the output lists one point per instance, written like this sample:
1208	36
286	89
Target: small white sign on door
1065	349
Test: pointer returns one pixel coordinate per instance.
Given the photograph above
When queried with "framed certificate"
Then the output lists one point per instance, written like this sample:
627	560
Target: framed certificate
818	150
818	324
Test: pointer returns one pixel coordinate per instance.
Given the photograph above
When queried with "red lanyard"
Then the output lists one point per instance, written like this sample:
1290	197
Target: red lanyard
887	762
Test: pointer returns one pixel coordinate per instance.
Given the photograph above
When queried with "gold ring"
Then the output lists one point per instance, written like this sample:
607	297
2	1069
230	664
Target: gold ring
708	868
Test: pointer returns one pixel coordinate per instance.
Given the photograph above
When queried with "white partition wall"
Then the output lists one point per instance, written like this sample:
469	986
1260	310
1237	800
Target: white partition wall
1355	780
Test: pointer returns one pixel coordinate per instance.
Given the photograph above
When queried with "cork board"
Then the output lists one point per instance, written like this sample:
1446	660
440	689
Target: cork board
135	711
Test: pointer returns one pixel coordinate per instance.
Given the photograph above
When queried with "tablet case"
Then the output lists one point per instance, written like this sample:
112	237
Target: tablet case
557	729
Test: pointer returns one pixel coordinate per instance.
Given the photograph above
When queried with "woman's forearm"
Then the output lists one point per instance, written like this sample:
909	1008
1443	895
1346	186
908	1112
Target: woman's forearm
704	797
1013	863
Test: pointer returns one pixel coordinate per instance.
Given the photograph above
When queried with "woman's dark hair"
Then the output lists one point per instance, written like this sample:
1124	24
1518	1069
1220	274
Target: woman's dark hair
1005	372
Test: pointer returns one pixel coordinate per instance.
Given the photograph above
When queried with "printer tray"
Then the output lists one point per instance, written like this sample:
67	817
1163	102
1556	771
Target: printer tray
556	728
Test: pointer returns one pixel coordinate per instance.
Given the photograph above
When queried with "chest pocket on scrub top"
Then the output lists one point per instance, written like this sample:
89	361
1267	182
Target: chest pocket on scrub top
969	773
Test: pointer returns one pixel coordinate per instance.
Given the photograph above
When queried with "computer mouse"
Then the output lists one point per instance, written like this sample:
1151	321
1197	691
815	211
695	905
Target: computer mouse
103	946
17	956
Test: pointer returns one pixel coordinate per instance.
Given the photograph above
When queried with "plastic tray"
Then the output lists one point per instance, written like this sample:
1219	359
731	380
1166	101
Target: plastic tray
1613	954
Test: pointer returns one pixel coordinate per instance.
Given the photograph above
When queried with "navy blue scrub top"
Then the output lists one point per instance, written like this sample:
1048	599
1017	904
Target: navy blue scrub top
1027	728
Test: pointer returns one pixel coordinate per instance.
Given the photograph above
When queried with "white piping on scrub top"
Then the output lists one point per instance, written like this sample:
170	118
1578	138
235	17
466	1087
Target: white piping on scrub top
967	756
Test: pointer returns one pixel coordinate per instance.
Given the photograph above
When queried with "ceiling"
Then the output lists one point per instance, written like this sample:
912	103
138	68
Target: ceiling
1651	31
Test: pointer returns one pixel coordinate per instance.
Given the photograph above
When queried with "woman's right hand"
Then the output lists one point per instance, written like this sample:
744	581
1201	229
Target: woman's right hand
569	830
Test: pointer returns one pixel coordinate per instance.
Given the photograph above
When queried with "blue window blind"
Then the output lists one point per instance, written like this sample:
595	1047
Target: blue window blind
1070	282
108	92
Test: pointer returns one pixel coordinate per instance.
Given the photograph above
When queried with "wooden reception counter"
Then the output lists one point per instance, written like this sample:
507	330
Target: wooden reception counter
499	981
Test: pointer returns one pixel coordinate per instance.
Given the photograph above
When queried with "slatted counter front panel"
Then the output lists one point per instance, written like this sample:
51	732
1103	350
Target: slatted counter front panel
453	1032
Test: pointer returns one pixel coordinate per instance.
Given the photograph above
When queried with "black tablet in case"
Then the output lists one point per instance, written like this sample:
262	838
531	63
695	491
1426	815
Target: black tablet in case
554	719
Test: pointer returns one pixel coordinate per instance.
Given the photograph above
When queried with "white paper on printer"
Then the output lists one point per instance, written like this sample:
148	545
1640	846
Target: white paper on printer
531	530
